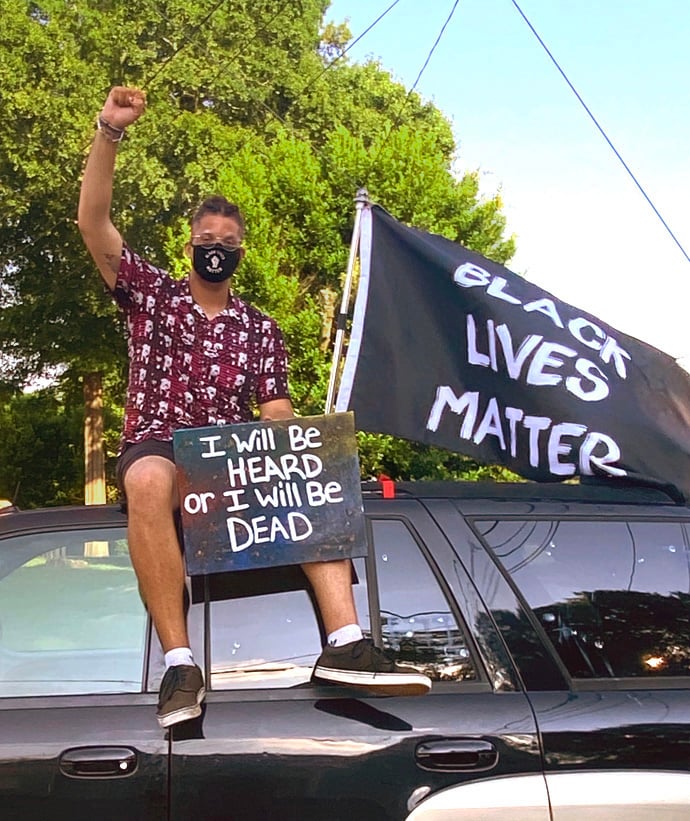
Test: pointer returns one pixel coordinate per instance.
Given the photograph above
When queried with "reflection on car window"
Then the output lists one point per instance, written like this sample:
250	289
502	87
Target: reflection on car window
613	597
273	640
418	626
71	619
263	641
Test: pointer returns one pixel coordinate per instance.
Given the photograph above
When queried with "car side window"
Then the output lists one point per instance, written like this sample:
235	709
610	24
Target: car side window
418	625
272	639
269	640
613	597
71	619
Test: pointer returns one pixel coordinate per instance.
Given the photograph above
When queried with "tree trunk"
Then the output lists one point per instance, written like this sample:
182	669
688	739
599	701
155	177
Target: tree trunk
94	456
328	299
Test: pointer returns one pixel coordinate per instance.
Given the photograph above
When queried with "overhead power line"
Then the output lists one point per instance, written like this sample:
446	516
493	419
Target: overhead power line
602	132
185	42
396	121
350	45
433	48
189	40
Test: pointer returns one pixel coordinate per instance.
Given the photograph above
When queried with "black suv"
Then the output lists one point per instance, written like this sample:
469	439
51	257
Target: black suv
554	622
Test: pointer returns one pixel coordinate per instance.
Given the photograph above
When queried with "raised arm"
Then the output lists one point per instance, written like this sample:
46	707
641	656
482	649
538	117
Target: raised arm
122	108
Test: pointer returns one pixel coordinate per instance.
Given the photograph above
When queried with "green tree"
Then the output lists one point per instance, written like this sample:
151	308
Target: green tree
42	444
57	61
37	460
240	102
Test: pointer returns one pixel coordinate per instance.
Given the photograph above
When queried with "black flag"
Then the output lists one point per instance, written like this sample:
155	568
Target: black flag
453	350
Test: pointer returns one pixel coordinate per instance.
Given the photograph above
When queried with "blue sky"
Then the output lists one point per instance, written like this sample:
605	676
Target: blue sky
583	229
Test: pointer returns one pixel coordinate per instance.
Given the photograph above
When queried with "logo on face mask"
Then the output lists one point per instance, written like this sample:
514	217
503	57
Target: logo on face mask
215	264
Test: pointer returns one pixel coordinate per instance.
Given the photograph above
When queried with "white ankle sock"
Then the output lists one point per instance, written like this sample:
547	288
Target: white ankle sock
345	635
177	656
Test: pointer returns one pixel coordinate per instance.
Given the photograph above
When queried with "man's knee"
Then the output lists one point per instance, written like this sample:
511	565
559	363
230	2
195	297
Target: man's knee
151	481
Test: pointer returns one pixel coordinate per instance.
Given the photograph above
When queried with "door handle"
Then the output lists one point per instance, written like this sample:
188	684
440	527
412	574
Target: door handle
98	762
456	755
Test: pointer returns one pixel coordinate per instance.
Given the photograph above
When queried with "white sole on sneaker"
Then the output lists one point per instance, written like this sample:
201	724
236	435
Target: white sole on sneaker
386	684
185	713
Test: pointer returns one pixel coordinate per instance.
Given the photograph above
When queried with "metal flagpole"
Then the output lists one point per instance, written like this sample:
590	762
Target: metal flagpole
361	199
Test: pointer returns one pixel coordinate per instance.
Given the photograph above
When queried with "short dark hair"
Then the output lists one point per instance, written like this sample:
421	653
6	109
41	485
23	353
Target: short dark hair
219	205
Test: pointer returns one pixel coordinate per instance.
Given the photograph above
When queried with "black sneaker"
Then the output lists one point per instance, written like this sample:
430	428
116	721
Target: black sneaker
362	664
182	691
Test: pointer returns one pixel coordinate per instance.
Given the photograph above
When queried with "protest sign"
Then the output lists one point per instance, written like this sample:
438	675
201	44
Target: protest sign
265	494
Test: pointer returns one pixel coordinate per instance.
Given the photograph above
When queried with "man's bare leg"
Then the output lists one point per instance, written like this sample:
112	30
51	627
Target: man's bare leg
357	662
332	583
151	488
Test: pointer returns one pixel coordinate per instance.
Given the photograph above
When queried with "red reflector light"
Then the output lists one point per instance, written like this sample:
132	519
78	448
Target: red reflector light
387	487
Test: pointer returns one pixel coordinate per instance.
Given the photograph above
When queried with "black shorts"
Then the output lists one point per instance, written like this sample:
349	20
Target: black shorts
136	450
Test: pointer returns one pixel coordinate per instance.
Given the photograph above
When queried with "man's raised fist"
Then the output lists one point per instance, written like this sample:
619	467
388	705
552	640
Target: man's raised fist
123	107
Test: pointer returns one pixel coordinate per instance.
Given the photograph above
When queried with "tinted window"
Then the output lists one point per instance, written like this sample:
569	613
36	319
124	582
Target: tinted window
613	597
417	623
269	640
261	639
71	620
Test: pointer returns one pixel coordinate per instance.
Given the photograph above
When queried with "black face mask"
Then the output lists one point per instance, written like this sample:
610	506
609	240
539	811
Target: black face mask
214	263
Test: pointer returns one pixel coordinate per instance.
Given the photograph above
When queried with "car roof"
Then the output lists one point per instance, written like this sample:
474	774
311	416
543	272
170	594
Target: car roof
61	518
619	493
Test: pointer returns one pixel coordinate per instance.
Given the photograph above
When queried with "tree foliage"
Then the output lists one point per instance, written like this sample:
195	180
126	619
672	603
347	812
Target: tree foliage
241	102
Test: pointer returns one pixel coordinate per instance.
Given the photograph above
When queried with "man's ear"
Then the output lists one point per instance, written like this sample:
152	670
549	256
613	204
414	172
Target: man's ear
188	249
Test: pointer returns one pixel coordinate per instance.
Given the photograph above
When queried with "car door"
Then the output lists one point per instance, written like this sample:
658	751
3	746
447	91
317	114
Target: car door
272	745
78	736
610	589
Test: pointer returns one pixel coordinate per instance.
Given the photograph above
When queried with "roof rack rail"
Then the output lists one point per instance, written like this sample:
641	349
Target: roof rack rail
592	490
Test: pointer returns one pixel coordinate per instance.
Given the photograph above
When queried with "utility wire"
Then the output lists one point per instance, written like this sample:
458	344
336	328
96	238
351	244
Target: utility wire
185	42
398	117
310	82
188	40
602	132
366	31
433	48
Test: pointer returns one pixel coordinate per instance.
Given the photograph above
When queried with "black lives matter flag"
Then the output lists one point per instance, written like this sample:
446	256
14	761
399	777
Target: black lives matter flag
453	350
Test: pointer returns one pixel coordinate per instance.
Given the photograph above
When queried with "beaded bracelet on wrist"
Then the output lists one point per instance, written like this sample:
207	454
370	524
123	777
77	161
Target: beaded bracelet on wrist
110	132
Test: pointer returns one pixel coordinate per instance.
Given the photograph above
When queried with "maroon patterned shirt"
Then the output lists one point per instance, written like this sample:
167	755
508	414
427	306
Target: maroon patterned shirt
187	370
